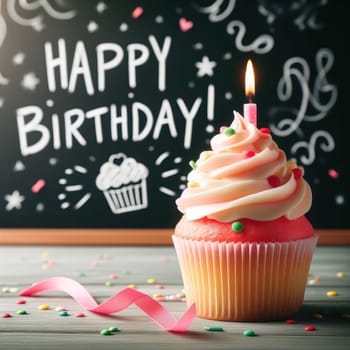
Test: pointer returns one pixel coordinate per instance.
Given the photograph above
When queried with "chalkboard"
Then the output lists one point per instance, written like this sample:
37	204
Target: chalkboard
88	87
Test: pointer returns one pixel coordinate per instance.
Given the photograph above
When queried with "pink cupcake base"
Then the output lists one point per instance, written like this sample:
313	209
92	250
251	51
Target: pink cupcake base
245	281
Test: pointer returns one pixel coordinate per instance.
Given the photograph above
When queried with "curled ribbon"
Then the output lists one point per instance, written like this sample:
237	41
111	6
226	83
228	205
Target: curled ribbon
116	303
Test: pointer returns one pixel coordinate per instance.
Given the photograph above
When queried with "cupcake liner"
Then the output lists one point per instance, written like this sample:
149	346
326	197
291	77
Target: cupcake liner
239	281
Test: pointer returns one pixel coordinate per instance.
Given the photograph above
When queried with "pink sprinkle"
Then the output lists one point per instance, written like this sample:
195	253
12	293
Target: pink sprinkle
159	286
274	180
265	130
138	11
6	315
222	129
333	173
185	24
298	173
310	328
113	276
79	314
291	321
248	154
38	186
94	263
20	301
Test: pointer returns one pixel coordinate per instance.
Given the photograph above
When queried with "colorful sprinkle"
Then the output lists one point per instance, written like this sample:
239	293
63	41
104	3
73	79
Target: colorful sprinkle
20	301
309	328
229	131
159	286
291	321
138	11
340	274
274	180
318	316
249	333
265	130
193	164
114	329
108	283
298	173
113	276
22	312
60	308
222	129
248	154
38	186
105	332
64	313
6	315
333	173
214	329
79	314
332	293
43	307
237	226
151	281
133	286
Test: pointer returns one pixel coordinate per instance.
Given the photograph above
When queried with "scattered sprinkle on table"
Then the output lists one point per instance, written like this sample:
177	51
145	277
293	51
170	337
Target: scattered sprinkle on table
332	293
20	301
64	313
249	333
340	274
106	332
113	276
113	329
79	314
60	308
133	286
22	312
291	321
310	328
214	329
318	316
6	315
43	307
108	283
151	281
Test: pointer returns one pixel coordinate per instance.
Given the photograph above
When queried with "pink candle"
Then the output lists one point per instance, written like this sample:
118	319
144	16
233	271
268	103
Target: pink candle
250	109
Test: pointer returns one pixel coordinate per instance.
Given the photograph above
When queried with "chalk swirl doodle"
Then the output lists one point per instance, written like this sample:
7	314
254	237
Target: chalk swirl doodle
214	9
261	45
315	102
327	146
297	69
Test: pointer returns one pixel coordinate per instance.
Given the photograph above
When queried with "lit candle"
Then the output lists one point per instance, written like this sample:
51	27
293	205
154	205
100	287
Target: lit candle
250	109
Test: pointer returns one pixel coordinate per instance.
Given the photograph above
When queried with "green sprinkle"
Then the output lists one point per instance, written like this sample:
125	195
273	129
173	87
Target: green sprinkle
113	329
21	312
237	226
108	284
64	313
193	164
214	329
106	332
229	131
249	333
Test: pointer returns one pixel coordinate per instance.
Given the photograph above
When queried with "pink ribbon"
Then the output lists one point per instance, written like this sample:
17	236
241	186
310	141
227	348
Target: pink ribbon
116	303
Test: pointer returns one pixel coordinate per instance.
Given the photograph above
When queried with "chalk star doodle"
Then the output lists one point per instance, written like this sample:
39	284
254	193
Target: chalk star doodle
14	200
30	81
205	67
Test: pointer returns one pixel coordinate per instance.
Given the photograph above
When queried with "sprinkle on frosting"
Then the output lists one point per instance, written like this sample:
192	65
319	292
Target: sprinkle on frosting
193	164
237	226
245	176
229	131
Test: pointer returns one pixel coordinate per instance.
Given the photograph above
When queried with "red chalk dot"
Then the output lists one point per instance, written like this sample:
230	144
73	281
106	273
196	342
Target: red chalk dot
274	180
333	173
310	328
38	186
138	11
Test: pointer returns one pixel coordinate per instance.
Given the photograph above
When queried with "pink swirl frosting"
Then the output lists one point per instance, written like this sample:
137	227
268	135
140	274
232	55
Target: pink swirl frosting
245	175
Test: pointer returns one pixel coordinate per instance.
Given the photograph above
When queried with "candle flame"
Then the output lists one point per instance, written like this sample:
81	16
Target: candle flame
249	80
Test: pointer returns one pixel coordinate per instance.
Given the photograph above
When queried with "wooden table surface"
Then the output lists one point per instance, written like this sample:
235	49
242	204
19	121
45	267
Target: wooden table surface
20	266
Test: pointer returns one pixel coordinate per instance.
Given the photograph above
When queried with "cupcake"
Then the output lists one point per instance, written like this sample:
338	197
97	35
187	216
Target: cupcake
123	182
243	243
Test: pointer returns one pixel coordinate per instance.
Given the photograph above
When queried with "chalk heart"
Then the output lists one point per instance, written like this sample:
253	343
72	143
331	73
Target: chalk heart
185	24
